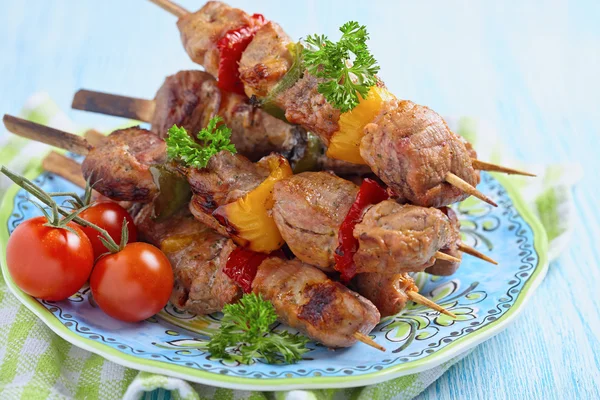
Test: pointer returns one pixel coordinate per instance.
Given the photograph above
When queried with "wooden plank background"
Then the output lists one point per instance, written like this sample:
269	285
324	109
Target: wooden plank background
528	68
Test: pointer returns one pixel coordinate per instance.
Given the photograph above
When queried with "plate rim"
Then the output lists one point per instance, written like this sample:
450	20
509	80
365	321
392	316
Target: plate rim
243	383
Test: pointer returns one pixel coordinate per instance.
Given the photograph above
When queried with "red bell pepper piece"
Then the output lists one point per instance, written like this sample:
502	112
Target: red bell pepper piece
370	192
242	265
231	46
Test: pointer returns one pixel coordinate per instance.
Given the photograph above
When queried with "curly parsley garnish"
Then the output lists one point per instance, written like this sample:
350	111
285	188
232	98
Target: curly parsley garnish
348	66
245	334
214	139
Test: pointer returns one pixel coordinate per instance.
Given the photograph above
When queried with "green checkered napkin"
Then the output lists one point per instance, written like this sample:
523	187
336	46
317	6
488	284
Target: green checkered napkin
37	364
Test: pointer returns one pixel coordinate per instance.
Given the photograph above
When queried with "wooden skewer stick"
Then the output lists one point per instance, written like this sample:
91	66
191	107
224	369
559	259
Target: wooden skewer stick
112	104
64	167
45	134
475	253
424	301
94	137
446	257
361	337
171	7
485	166
467	188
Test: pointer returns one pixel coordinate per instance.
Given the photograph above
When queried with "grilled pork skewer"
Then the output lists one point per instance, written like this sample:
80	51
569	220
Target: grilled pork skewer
389	293
96	138
190	98
310	207
304	298
199	255
399	143
121	170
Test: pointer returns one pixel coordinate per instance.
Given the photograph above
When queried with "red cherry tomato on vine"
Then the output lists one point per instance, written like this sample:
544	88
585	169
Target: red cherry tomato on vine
133	284
109	216
47	262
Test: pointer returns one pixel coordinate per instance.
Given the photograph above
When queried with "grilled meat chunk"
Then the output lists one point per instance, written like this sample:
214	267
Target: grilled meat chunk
226	178
191	98
443	267
199	209
120	167
201	31
256	133
197	255
308	210
305	299
394	238
386	291
187	99
266	60
305	106
411	149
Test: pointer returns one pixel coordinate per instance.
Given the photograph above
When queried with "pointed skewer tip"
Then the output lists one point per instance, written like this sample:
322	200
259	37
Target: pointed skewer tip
171	7
424	301
361	337
485	166
467	188
446	257
475	253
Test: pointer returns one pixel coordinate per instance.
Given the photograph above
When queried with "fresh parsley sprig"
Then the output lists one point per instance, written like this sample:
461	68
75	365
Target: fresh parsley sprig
245	334
214	138
347	66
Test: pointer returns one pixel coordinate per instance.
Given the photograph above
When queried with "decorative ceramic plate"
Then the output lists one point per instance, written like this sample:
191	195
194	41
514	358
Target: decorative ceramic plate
485	298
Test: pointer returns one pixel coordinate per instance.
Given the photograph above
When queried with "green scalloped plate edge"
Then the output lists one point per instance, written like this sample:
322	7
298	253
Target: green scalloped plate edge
208	378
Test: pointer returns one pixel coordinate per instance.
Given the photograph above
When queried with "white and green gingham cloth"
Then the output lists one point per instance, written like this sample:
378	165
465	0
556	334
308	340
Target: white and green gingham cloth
37	364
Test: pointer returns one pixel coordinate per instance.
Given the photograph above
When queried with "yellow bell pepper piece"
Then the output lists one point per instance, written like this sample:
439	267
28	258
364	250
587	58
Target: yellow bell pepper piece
345	143
249	220
176	243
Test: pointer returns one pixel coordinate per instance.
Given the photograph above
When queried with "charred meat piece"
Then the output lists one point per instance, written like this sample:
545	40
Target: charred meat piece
256	133
197	255
191	98
201	31
266	60
305	106
444	267
226	178
187	99
120	167
386	291
200	209
305	299
411	149
309	209
394	238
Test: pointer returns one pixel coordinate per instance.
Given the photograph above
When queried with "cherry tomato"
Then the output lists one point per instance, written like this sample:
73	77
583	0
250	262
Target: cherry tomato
109	216
133	284
49	263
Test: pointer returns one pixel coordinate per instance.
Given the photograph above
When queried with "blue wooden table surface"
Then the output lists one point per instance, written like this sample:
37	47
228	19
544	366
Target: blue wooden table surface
529	68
